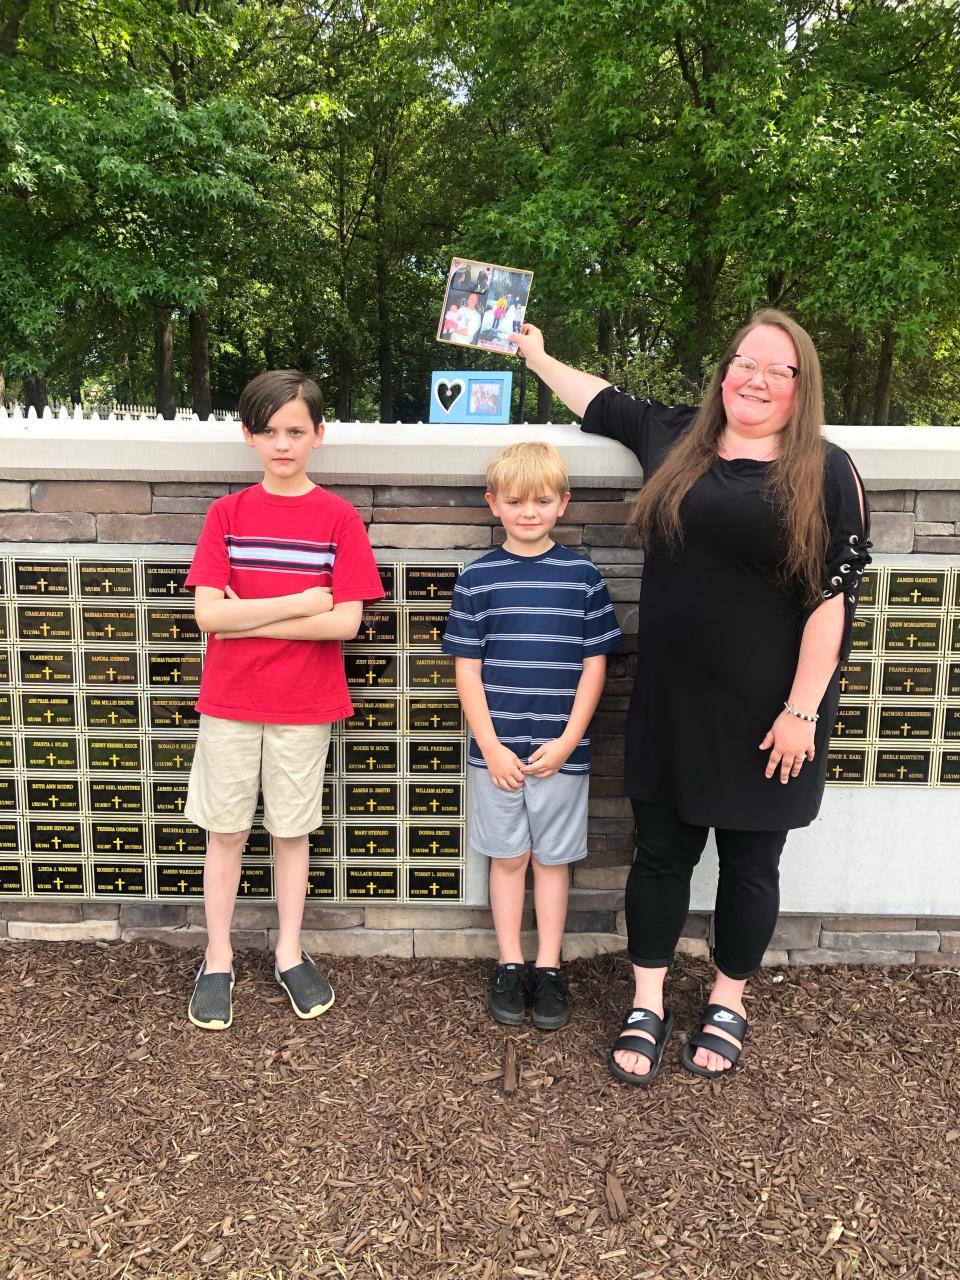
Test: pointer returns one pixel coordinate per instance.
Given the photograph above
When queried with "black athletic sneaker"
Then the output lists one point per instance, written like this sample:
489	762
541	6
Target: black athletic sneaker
551	1002
507	996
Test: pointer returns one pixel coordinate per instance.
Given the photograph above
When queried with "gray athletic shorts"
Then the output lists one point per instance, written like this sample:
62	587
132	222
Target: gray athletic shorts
547	815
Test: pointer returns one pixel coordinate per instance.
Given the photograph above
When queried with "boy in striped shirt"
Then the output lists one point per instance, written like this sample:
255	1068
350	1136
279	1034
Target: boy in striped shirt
530	626
280	575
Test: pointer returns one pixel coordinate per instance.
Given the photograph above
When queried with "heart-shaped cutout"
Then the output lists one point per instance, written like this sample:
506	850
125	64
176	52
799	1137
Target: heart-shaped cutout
448	393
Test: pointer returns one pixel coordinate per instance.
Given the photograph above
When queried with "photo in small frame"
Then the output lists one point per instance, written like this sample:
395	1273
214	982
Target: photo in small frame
463	397
482	303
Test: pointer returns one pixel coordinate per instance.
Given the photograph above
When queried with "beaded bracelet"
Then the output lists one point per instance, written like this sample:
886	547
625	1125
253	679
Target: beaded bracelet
801	715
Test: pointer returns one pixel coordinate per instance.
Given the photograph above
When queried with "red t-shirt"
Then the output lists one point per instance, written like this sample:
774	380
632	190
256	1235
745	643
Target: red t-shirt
262	544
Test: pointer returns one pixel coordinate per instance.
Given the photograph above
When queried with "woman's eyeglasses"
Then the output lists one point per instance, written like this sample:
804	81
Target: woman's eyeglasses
746	368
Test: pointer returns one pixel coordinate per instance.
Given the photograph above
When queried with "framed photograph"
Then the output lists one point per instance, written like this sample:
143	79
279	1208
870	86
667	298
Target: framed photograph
482	303
460	396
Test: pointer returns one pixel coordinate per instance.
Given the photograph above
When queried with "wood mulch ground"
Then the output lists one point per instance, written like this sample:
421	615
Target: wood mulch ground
391	1139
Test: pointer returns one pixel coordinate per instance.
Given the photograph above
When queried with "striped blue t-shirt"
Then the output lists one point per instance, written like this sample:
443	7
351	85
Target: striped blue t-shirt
531	620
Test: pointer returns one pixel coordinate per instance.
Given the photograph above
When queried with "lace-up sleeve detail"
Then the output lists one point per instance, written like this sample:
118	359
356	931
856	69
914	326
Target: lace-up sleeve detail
848	547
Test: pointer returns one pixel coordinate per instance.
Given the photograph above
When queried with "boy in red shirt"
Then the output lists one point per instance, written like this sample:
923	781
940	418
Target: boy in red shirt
280	575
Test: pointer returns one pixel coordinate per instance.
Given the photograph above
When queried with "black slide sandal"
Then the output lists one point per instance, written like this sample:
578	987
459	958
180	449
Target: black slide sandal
642	1020
715	1015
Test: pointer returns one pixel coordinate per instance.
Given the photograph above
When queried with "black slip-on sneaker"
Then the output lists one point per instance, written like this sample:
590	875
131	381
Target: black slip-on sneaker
507	994
551	1000
211	1005
309	991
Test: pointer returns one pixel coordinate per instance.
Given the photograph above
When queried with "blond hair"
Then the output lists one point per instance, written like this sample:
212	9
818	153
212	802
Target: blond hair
795	480
528	468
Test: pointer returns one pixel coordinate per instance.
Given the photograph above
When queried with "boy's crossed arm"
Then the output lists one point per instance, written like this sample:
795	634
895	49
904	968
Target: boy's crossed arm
304	615
506	769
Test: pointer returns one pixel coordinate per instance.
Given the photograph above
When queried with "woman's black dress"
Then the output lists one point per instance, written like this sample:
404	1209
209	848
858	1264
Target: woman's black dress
719	636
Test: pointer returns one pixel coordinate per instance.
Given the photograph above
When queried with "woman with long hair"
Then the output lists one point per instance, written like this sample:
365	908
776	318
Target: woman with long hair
755	533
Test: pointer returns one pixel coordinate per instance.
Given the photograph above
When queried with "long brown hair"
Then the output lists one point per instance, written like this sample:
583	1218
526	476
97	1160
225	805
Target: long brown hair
795	479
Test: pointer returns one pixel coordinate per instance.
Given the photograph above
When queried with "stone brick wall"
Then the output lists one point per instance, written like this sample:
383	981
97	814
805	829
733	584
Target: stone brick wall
456	518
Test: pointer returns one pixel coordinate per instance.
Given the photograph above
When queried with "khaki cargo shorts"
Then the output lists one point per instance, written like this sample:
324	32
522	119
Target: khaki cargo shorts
236	759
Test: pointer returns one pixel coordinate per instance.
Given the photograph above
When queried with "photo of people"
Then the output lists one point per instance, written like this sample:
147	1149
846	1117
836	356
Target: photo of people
482	304
485	397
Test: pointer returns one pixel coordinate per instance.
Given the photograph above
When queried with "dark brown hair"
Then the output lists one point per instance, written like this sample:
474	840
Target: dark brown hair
267	392
795	478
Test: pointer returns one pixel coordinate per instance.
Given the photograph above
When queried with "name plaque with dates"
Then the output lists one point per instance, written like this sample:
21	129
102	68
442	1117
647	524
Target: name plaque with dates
900	708
100	669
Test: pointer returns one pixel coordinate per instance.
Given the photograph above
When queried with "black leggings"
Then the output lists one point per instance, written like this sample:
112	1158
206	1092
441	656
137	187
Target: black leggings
658	890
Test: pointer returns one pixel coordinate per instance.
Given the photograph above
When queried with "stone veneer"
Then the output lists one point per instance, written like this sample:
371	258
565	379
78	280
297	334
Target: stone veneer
405	516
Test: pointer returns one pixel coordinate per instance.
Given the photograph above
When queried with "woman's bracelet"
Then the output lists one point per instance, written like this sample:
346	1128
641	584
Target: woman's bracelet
801	715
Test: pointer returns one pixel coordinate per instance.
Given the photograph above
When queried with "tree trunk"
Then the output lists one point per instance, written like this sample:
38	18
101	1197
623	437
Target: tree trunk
10	31
3	388
200	361
163	362
35	392
851	381
384	338
884	383
605	342
544	402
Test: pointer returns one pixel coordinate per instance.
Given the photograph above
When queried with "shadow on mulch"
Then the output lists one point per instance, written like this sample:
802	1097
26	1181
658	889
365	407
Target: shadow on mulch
379	1141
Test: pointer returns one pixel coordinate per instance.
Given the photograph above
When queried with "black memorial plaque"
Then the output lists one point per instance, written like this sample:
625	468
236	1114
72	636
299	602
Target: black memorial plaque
48	754
171	626
165	578
322	882
36	623
41	578
431	583
434	716
46	667
179	840
323	841
372	670
903	768
847	765
11	879
7	757
4	666
435	884
11	840
108	626
955	635
258	843
173	712
172	755
8	795
179	880
434	800
435	757
388	579
371	799
905	722
430	671
951	724
256	881
373	715
113	667
168	797
104	581
909	679
118	839
867	595
378	627
48	710
111	754
53	795
852	721
171	670
123	879
916	589
373	840
115	795
4	629
55	837
6	710
328	799
54	879
950	769
425	628
427	840
111	710
953	679
912	635
372	882
371	755
864	633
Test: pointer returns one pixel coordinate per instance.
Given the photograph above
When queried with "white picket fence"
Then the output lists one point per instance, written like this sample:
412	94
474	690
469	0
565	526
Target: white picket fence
115	413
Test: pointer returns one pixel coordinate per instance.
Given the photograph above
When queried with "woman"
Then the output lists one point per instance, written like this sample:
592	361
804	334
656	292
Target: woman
755	530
